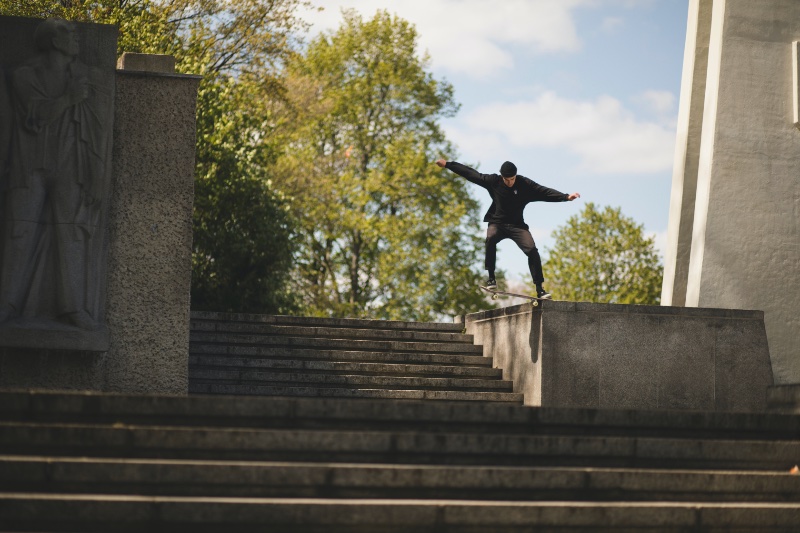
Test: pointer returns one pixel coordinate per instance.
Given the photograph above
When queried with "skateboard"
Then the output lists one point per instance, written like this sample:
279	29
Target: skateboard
496	294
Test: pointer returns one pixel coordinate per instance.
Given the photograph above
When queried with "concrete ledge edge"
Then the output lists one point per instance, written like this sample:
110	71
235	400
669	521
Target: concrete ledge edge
626	309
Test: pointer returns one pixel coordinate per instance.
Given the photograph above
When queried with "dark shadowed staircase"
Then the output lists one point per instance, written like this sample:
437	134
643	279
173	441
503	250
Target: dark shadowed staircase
342	358
327	426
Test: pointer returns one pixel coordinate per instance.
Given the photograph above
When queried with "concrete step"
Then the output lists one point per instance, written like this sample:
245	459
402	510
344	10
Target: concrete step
203	362
288	379
133	441
252	329
339	355
784	399
336	480
200	318
334	344
71	512
317	391
314	413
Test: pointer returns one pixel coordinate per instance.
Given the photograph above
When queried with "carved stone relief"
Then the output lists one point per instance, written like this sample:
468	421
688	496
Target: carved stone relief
56	116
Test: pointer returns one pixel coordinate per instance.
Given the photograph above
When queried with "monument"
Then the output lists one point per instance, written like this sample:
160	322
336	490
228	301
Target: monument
57	105
96	195
734	229
58	114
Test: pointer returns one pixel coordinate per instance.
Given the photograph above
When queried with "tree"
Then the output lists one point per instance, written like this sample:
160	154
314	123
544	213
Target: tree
603	256
242	227
383	232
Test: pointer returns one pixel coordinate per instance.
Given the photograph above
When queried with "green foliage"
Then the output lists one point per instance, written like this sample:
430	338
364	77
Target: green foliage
242	247
603	256
383	232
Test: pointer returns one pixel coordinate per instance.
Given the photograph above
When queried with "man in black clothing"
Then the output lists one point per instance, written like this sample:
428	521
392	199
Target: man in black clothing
510	194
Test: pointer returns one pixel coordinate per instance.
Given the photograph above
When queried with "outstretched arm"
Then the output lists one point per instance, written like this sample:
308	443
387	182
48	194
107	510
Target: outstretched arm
470	174
540	193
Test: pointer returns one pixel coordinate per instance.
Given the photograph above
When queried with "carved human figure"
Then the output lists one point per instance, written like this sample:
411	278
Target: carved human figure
56	179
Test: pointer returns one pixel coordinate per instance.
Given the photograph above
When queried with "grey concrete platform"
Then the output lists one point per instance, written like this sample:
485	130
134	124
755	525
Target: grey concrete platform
784	399
348	480
328	358
343	367
342	344
312	413
330	333
57	512
102	462
608	356
349	392
199	317
121	440
325	353
329	379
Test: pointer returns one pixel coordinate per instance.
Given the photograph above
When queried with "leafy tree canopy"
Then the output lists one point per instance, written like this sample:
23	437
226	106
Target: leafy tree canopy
604	256
384	233
242	227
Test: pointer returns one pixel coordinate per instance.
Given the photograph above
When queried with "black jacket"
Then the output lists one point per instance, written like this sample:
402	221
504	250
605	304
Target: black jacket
508	203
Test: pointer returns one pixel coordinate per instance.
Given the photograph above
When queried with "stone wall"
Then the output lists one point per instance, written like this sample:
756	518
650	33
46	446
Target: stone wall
734	234
149	263
583	355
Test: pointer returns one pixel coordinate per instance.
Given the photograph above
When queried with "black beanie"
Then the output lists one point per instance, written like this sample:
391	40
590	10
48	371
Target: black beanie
508	170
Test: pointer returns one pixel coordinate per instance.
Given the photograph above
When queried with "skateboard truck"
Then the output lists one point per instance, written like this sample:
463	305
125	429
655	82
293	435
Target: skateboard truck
496	294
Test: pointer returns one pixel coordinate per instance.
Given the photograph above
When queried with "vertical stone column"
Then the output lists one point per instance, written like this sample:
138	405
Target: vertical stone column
151	227
745	243
687	153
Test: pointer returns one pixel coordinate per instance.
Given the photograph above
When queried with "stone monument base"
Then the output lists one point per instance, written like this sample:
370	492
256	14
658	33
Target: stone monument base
606	356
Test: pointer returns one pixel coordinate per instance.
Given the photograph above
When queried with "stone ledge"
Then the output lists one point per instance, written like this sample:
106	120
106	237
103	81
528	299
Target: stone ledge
588	307
611	356
63	339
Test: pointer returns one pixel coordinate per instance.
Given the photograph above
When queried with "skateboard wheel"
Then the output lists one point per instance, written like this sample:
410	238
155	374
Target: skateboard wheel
535	303
495	296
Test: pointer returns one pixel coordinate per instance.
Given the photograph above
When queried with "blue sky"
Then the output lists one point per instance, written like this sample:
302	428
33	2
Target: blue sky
582	95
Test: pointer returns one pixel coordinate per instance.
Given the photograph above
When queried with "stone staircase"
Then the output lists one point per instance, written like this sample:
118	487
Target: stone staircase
306	461
344	358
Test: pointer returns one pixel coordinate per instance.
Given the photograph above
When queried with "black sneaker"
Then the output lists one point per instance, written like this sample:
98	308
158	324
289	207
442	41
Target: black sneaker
491	283
543	294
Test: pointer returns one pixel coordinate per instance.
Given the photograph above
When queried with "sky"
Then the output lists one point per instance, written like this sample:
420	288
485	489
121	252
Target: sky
582	95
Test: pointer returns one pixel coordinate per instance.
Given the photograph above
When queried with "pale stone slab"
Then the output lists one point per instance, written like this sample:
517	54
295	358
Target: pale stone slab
583	355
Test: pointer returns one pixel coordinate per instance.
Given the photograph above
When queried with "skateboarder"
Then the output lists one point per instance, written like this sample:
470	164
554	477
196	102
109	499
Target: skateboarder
510	194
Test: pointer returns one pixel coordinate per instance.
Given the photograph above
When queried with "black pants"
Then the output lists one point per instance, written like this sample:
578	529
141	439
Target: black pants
522	238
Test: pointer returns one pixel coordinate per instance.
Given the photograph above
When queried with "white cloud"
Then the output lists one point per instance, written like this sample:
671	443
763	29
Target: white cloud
607	137
472	37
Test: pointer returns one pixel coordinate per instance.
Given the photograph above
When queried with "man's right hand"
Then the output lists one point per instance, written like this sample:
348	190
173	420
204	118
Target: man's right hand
441	162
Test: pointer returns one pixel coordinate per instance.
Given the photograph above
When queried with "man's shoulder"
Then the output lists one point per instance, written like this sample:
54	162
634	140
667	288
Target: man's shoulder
527	181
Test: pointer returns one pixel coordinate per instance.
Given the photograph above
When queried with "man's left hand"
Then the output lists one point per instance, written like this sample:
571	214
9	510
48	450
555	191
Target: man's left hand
573	196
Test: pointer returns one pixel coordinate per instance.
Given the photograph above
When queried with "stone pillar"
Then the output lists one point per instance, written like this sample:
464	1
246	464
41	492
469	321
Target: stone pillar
687	153
744	251
150	229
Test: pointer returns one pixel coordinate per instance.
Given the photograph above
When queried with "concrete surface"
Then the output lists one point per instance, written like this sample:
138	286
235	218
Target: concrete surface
568	354
149	270
238	354
146	63
102	462
743	252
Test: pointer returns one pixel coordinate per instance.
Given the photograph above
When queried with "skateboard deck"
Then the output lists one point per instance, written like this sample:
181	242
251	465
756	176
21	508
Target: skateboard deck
496	294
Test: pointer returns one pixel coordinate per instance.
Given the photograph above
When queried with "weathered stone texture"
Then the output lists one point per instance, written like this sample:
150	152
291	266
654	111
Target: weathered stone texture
149	269
568	354
743	252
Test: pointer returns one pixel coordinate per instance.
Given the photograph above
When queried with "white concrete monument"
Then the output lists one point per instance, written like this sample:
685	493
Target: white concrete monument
734	229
